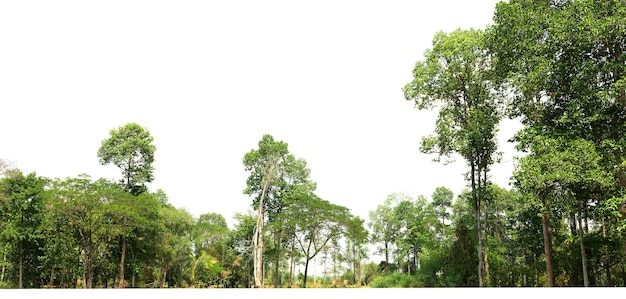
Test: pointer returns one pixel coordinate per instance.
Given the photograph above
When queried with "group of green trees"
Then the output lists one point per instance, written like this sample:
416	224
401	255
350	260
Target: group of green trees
557	66
80	232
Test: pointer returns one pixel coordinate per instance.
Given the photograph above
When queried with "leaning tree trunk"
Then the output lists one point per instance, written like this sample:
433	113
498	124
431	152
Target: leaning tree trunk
306	270
547	241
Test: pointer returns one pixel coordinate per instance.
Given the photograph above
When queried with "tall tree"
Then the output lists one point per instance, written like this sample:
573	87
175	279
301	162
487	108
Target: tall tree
384	227
130	148
265	164
456	76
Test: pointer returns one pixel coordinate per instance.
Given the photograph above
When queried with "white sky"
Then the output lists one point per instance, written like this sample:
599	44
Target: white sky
209	78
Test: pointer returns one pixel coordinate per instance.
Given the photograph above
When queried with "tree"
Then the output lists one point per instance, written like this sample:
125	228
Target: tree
384	228
442	201
555	166
457	75
267	165
564	61
21	214
130	148
315	222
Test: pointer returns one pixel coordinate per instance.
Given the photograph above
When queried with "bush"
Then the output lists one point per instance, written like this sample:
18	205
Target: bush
395	280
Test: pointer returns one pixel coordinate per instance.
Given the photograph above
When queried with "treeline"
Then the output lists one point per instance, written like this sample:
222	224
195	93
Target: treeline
84	233
559	67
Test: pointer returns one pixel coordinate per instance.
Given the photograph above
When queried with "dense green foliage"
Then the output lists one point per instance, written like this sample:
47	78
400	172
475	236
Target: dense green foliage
557	66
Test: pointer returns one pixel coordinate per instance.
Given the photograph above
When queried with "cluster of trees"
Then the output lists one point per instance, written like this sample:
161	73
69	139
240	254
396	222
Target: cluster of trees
559	67
80	232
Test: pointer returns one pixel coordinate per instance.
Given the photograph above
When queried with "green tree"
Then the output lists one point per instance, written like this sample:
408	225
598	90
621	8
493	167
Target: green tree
267	166
315	222
384	227
442	201
456	76
21	215
130	148
564	62
176	227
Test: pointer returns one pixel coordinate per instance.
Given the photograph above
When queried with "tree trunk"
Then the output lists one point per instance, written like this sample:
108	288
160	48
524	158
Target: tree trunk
258	239
582	246
476	203
524	279
306	269
486	251
163	274
51	277
3	266
386	257
291	262
21	263
607	262
277	257
408	261
547	241
123	255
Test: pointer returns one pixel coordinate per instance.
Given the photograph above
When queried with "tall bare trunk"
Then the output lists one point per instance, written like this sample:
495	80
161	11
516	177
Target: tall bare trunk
258	239
486	251
582	246
123	255
547	241
476	203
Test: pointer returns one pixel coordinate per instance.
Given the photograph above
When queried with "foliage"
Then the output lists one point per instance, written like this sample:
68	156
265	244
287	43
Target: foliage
130	148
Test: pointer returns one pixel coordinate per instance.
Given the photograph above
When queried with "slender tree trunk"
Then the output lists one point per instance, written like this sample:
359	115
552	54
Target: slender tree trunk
51	283
277	257
547	241
582	246
21	263
3	265
607	262
123	255
476	202
291	262
306	269
163	274
386	257
486	251
524	279
258	239
408	260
